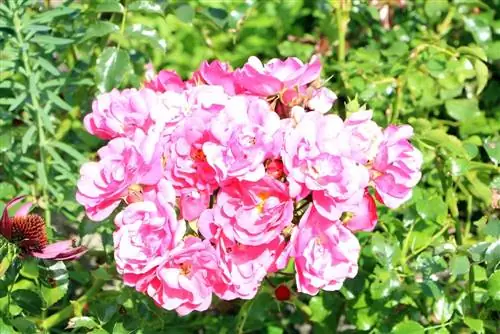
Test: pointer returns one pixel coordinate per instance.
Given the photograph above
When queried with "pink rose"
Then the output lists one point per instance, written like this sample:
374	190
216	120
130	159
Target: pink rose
117	114
146	232
326	253
245	134
249	213
361	137
313	164
276	76
166	81
216	73
396	168
364	215
338	185
186	165
243	267
308	137
103	184
322	100
184	280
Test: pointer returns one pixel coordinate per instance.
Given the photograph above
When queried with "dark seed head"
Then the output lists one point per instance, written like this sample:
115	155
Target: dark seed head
28	232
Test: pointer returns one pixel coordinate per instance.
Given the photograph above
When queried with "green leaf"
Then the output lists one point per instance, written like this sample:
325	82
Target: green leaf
24	325
435	9
386	251
99	29
492	255
141	32
4	328
30	269
112	65
446	141
492	228
109	6
51	40
17	101
481	75
55	280
477	251
459	265
319	311
6	141
7	191
458	166
54	98
432	208
50	15
185	13
28	139
69	150
120	329
408	327
28	300
385	283
494	286
475	324
145	6
492	147
473	50
443	309
478	27
82	322
462	109
47	65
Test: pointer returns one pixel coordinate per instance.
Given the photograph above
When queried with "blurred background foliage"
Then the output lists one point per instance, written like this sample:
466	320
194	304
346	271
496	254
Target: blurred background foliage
431	266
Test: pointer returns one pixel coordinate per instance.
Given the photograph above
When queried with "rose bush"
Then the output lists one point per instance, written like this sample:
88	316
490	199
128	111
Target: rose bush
278	166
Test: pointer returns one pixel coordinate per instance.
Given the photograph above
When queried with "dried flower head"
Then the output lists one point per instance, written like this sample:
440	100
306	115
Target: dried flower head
27	231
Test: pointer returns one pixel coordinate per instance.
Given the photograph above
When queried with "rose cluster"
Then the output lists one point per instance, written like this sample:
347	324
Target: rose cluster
228	176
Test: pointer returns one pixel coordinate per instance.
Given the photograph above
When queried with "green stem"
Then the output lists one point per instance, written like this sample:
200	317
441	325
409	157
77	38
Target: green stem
124	20
10	293
342	12
69	310
404	251
471	290
303	307
399	99
42	171
434	237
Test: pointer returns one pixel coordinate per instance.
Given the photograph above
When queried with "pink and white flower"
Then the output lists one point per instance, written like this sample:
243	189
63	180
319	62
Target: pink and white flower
276	76
361	137
326	253
364	215
245	134
396	168
218	74
249	213
124	163
166	81
146	232
118	114
313	164
184	280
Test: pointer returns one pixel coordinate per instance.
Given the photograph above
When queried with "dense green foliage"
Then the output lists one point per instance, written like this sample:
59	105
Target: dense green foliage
430	266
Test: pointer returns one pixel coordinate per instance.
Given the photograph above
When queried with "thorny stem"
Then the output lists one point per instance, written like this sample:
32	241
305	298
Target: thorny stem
68	311
42	170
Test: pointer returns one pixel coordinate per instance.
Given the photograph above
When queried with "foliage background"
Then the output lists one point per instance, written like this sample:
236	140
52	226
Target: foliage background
430	266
